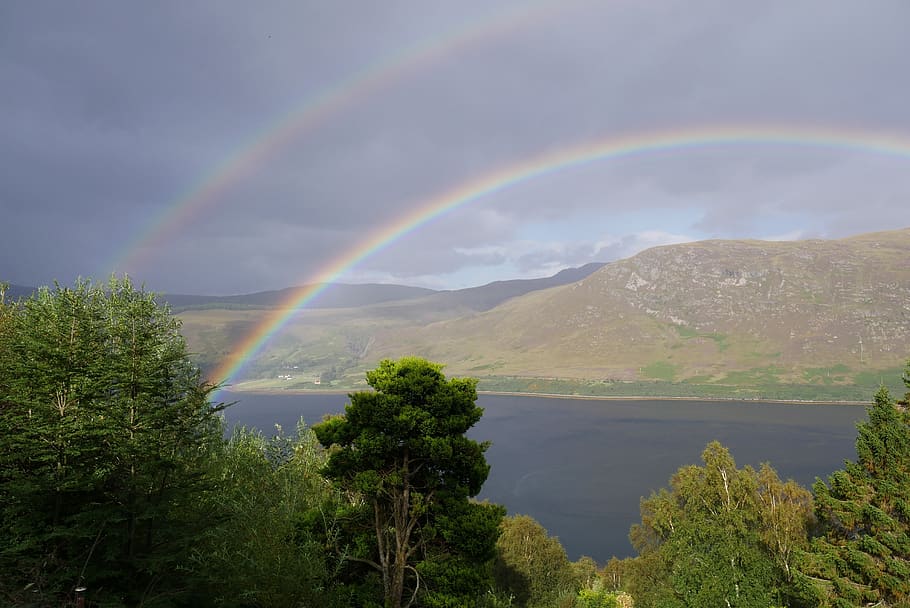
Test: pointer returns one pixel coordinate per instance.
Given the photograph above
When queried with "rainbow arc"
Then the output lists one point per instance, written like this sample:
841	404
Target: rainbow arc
503	178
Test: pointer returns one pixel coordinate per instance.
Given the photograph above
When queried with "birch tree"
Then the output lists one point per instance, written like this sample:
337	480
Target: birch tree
720	536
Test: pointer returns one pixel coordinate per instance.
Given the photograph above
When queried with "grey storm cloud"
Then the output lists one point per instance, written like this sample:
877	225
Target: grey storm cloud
115	114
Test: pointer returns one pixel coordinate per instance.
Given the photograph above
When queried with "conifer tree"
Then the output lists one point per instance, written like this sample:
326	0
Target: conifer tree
863	556
402	449
104	427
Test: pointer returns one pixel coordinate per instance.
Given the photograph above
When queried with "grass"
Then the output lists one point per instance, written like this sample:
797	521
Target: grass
762	383
684	389
757	376
606	388
827	375
660	370
687	333
875	378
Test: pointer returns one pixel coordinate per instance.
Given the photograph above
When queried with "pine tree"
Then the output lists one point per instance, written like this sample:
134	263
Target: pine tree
863	556
402	450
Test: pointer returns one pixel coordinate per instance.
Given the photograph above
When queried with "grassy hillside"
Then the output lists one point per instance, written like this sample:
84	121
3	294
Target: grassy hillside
809	319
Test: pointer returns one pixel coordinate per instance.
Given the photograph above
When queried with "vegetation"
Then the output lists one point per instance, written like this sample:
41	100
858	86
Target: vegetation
403	449
721	536
863	555
740	537
532	566
115	475
105	432
277	514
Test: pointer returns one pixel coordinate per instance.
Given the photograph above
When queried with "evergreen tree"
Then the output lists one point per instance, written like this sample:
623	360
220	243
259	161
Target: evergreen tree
863	556
402	454
105	429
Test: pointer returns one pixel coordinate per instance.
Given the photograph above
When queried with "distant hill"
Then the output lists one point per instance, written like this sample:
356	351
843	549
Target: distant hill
407	300
805	319
441	305
337	295
712	311
493	294
339	337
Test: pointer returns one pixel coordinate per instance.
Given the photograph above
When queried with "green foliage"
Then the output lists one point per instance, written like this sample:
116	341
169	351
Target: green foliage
590	598
402	449
105	435
760	383
616	573
719	536
278	515
585	573
863	555
531	566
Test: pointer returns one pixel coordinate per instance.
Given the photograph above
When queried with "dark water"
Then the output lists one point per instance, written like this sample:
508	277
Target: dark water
580	467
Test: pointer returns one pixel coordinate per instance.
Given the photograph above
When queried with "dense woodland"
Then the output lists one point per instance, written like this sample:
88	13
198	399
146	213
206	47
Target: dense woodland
116	480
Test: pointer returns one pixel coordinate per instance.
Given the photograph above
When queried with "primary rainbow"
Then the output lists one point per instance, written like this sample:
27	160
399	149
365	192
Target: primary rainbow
313	112
547	163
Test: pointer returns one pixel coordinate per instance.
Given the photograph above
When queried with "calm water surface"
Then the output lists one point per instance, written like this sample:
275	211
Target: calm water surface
579	467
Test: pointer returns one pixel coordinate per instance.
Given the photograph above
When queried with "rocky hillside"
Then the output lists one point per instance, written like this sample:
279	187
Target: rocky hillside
710	311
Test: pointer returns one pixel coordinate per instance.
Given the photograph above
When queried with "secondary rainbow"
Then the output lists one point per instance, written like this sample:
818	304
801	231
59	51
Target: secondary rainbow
541	165
314	112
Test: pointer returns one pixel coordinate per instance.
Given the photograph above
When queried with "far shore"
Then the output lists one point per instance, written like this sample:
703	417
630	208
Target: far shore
341	391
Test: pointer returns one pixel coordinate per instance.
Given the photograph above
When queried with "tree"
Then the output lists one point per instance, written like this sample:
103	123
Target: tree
531	565
105	431
786	518
269	548
616	572
863	555
402	454
720	536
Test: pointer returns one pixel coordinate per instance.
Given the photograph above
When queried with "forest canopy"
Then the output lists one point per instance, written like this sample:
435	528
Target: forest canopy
117	476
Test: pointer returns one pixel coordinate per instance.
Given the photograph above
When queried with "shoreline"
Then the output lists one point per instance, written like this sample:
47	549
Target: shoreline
339	391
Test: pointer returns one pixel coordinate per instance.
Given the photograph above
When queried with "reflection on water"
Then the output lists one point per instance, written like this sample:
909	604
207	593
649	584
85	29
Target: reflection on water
579	467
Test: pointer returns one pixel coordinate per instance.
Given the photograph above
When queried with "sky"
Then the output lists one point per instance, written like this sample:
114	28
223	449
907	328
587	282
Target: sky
219	147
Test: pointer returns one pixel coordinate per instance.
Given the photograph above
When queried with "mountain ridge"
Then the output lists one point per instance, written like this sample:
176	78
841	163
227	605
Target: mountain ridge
358	295
702	310
812	319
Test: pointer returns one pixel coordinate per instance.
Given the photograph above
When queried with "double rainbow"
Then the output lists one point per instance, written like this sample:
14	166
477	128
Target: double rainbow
315	111
506	177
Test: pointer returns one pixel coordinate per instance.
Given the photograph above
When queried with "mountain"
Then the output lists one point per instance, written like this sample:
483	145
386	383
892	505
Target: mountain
338	329
710	311
336	295
406	299
804	319
493	294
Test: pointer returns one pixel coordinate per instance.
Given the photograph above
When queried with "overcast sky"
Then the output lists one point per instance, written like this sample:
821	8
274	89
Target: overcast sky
303	127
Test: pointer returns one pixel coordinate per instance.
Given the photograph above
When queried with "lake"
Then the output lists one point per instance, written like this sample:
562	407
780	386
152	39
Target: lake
579	467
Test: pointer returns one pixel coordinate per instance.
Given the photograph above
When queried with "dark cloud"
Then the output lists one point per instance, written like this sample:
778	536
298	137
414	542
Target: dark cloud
114	114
